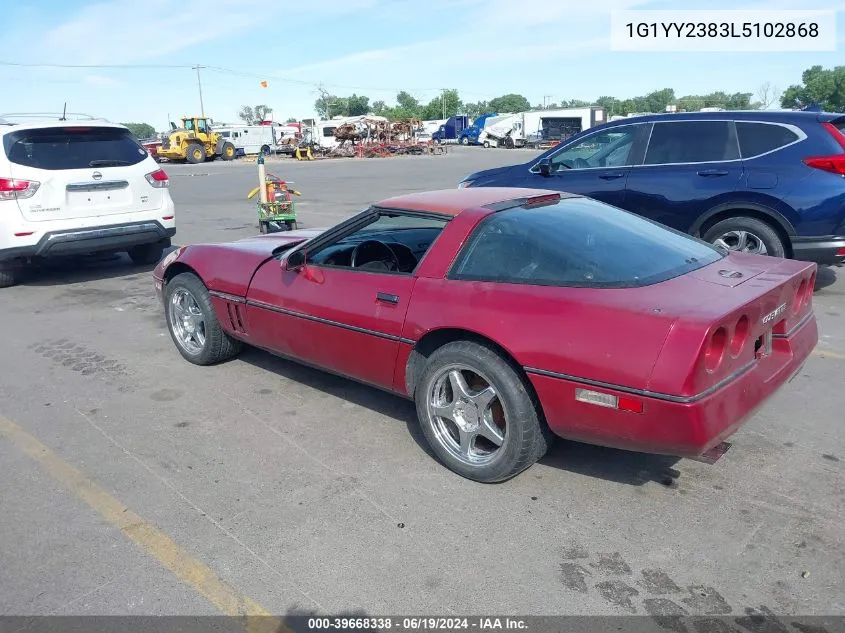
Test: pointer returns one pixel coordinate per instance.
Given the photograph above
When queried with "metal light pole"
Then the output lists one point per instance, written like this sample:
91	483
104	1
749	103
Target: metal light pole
199	85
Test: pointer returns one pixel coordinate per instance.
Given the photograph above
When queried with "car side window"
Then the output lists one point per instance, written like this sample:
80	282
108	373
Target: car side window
391	243
608	148
760	138
202	127
691	142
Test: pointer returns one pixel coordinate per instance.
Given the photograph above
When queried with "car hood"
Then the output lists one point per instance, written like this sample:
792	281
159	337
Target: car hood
264	245
485	175
228	266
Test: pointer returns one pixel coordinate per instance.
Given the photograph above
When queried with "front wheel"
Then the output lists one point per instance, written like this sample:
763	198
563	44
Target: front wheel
746	235
193	324
227	152
477	414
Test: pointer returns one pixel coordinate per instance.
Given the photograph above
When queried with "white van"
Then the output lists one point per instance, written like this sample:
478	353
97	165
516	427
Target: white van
71	187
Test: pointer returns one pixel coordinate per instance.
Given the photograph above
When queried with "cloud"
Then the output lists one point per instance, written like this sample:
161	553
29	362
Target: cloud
129	31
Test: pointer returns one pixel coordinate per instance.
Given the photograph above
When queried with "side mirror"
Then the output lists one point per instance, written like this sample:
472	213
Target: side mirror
296	261
545	167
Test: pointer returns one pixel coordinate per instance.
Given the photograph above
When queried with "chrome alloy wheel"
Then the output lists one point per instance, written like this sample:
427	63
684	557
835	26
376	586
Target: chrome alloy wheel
466	415
187	321
742	241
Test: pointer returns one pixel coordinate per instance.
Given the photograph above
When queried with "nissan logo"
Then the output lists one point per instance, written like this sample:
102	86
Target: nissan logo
96	175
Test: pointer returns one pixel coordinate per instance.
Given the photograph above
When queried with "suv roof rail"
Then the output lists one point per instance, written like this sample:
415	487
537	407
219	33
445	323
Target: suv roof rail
54	116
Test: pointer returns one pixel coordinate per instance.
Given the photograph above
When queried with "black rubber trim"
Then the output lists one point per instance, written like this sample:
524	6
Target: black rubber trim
821	250
308	317
92	239
226	296
795	327
643	392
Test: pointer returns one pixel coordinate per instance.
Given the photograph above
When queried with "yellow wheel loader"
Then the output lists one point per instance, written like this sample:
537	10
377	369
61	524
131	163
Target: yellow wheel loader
195	142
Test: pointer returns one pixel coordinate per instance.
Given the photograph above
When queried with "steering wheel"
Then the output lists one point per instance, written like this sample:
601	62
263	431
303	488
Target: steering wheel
374	248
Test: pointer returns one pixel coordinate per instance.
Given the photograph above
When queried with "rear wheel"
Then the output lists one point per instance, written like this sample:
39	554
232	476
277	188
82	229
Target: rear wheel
746	235
196	153
146	254
193	324
9	276
477	414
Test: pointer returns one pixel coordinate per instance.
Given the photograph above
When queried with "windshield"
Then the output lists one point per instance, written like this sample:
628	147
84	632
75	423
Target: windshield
578	242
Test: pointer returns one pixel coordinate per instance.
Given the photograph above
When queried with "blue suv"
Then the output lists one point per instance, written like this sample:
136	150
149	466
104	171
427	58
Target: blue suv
762	182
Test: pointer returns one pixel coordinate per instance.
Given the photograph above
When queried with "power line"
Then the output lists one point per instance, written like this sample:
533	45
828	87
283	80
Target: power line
227	71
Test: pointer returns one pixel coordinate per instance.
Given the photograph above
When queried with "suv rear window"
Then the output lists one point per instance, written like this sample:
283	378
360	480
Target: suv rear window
759	138
73	148
691	142
578	242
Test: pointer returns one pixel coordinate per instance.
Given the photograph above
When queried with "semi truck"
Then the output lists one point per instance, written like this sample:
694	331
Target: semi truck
470	134
451	130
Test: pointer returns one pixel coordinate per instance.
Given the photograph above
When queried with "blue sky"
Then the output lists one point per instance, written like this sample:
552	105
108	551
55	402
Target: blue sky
483	48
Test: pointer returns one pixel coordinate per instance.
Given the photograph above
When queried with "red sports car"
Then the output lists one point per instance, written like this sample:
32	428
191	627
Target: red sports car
510	316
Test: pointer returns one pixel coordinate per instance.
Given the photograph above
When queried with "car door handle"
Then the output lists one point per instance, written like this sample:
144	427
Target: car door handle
387	298
713	172
612	176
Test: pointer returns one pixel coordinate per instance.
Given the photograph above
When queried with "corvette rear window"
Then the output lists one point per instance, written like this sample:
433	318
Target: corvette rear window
578	242
73	148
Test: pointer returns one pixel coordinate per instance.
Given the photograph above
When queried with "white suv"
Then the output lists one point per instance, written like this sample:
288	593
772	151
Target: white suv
79	187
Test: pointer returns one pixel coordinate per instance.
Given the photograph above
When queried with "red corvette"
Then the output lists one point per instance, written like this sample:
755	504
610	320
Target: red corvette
510	316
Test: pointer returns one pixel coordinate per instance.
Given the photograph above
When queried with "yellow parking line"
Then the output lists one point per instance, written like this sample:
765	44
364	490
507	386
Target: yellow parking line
823	353
155	542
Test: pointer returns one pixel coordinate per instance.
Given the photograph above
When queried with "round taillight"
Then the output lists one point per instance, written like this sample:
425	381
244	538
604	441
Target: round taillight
715	350
740	337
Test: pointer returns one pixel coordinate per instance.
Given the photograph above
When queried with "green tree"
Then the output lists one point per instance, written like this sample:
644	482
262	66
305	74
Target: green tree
825	87
379	107
291	119
254	114
329	105
574	103
357	105
141	130
446	105
611	104
475	110
509	103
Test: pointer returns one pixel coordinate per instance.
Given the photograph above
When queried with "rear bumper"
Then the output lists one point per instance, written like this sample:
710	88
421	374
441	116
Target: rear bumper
821	250
113	237
685	427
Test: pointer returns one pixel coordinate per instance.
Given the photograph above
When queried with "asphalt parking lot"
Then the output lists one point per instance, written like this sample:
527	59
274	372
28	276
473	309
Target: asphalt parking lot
136	483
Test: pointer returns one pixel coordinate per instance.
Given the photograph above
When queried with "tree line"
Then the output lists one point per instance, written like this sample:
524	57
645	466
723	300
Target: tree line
819	86
822	87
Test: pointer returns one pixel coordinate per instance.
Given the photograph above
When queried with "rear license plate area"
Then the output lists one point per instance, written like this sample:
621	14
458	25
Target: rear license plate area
763	345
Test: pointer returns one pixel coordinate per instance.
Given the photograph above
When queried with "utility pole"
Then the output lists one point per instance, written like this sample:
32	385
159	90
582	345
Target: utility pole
443	100
199	85
545	97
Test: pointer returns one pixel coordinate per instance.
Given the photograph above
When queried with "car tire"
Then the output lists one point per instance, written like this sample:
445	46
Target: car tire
746	234
526	437
146	254
196	153
212	345
9	277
